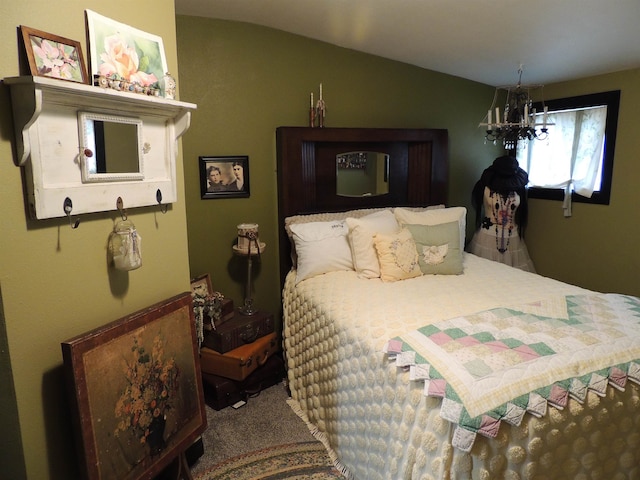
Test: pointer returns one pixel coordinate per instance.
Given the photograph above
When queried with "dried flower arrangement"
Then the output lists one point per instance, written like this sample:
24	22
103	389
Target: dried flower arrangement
152	383
209	304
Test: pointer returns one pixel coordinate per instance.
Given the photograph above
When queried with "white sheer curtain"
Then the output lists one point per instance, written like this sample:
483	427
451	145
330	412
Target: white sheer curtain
571	157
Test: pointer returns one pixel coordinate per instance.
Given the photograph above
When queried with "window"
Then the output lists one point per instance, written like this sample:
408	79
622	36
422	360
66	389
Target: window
575	163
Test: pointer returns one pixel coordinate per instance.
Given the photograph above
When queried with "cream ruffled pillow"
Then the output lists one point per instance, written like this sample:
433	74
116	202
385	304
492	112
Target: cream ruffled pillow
397	255
361	233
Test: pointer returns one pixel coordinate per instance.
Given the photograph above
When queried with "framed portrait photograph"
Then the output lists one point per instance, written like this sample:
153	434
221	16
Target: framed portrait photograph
53	56
136	392
118	49
224	177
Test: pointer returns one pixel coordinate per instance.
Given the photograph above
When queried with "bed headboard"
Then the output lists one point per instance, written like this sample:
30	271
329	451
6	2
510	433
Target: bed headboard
417	174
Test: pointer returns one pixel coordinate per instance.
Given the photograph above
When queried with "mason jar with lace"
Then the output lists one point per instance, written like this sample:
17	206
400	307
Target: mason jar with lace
125	246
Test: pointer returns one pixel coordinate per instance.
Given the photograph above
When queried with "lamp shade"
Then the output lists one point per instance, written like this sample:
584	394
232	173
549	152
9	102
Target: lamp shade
248	239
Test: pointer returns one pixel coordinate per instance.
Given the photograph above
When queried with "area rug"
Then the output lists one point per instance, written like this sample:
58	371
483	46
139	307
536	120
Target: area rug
295	461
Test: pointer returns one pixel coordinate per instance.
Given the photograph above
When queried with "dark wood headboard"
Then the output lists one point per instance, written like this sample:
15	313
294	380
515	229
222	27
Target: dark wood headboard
418	171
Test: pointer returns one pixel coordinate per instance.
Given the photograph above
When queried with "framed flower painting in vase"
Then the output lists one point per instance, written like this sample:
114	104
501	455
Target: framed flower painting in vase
135	391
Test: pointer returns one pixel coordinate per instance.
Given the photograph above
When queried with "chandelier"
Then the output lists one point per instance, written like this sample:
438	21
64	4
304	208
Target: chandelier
518	120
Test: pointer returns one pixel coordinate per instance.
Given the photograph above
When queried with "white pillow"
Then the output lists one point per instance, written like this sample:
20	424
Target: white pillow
321	247
322	217
434	217
361	232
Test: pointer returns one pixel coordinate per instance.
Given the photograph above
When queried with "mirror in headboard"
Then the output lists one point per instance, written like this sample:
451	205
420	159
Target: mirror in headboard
361	174
416	170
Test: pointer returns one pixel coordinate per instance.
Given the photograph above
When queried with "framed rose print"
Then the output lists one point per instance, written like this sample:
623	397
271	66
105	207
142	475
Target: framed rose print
116	49
136	392
53	56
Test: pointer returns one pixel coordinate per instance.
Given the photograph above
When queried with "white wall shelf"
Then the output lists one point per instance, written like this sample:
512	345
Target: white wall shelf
48	145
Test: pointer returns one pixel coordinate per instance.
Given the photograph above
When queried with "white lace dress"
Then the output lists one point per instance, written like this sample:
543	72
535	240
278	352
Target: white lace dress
497	238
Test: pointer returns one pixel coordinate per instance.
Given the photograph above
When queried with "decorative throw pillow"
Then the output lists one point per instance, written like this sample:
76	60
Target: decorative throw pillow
438	248
434	217
397	256
361	232
321	247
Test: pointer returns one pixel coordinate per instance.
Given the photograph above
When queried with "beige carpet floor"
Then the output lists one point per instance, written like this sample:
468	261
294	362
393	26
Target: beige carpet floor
265	421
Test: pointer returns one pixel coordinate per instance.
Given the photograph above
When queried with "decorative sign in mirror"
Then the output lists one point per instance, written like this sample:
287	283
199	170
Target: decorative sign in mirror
360	174
111	147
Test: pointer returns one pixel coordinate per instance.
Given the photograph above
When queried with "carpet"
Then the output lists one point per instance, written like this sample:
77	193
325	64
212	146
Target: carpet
306	460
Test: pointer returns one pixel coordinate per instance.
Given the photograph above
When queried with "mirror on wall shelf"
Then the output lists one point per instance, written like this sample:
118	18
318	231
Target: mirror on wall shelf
111	147
361	174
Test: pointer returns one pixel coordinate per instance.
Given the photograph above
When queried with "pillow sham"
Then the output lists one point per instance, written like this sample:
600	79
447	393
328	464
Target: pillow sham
361	232
397	255
322	217
434	217
321	247
438	248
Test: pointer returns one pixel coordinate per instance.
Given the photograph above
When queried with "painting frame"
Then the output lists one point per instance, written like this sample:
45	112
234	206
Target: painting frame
67	65
148	63
125	378
229	175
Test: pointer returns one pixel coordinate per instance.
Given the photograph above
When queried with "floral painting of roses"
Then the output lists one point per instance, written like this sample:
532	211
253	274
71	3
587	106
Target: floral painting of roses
53	56
123	52
136	388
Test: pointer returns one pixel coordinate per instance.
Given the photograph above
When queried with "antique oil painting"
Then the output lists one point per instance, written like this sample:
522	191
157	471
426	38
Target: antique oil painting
136	385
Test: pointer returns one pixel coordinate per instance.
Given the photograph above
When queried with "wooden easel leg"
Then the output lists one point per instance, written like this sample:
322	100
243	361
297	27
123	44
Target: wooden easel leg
184	472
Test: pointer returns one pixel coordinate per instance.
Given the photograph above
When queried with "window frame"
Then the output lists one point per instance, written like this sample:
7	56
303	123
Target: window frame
612	100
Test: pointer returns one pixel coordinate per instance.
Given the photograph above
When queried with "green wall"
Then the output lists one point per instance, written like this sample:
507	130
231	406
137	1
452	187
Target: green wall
248	80
54	281
597	247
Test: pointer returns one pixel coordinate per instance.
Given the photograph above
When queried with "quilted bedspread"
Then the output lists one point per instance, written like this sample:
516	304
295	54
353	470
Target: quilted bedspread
499	364
381	426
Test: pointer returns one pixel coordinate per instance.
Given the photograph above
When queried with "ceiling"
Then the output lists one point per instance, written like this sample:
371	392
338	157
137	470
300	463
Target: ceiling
481	40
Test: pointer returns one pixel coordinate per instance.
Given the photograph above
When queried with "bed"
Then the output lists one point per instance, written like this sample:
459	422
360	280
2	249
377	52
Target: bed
550	389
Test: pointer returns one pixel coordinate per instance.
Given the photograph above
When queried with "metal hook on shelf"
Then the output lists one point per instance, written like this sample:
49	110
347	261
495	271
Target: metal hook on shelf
163	208
68	206
121	209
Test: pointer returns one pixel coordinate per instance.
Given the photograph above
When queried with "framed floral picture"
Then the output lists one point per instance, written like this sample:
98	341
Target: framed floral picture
136	391
208	306
53	56
118	50
201	285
